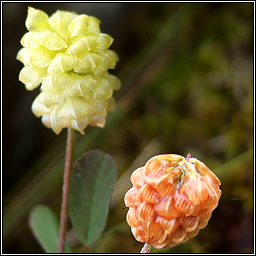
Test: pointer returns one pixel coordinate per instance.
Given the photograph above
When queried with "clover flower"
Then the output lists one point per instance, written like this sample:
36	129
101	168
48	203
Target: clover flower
68	55
172	198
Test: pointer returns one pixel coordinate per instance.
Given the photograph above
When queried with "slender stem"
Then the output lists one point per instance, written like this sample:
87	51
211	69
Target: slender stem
146	248
66	189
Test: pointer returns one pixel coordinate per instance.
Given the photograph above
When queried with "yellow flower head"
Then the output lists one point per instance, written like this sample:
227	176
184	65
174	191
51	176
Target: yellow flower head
68	55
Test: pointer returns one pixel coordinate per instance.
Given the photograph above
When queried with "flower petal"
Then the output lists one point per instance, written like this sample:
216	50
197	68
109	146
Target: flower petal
51	40
30	40
50	98
32	76
63	63
80	124
24	55
79	47
79	26
75	90
57	81
41	57
37	20
94	26
88	63
60	21
109	61
75	108
38	108
114	81
103	42
97	120
58	123
103	90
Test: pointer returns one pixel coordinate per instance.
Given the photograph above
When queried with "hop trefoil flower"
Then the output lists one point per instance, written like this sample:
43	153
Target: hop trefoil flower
172	198
68	56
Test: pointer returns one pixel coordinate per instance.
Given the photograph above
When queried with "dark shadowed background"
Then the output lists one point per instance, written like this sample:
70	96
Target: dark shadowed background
187	86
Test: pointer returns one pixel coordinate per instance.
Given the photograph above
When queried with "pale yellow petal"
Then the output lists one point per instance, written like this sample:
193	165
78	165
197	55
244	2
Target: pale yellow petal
79	26
58	123
46	120
88	83
99	107
56	82
73	90
50	98
63	63
60	21
38	108
79	47
109	61
51	40
36	20
94	26
88	63
103	42
41	57
32	76
80	124
112	58
24	55
75	108
30	40
103	90
114	81
97	120
92	40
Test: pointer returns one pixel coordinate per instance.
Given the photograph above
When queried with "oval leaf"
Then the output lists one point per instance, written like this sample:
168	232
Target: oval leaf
93	180
45	227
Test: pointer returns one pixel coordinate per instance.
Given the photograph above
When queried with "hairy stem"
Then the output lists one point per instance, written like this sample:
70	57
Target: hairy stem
146	248
66	189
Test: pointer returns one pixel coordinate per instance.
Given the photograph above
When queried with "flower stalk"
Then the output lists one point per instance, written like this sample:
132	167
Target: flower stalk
66	189
146	248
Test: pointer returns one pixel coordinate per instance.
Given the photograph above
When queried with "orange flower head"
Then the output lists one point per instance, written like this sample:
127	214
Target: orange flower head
172	198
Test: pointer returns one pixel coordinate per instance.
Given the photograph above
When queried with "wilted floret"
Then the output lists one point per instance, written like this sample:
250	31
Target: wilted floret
68	55
172	198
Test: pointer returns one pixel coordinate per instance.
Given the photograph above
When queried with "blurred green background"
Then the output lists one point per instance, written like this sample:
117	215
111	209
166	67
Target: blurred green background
187	86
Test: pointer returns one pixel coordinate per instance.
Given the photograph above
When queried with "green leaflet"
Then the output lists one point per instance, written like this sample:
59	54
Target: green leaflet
45	227
93	181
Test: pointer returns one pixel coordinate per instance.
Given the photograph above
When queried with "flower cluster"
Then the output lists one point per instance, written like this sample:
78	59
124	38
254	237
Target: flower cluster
68	55
172	198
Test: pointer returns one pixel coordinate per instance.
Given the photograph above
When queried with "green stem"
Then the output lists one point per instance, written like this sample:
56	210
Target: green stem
66	189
